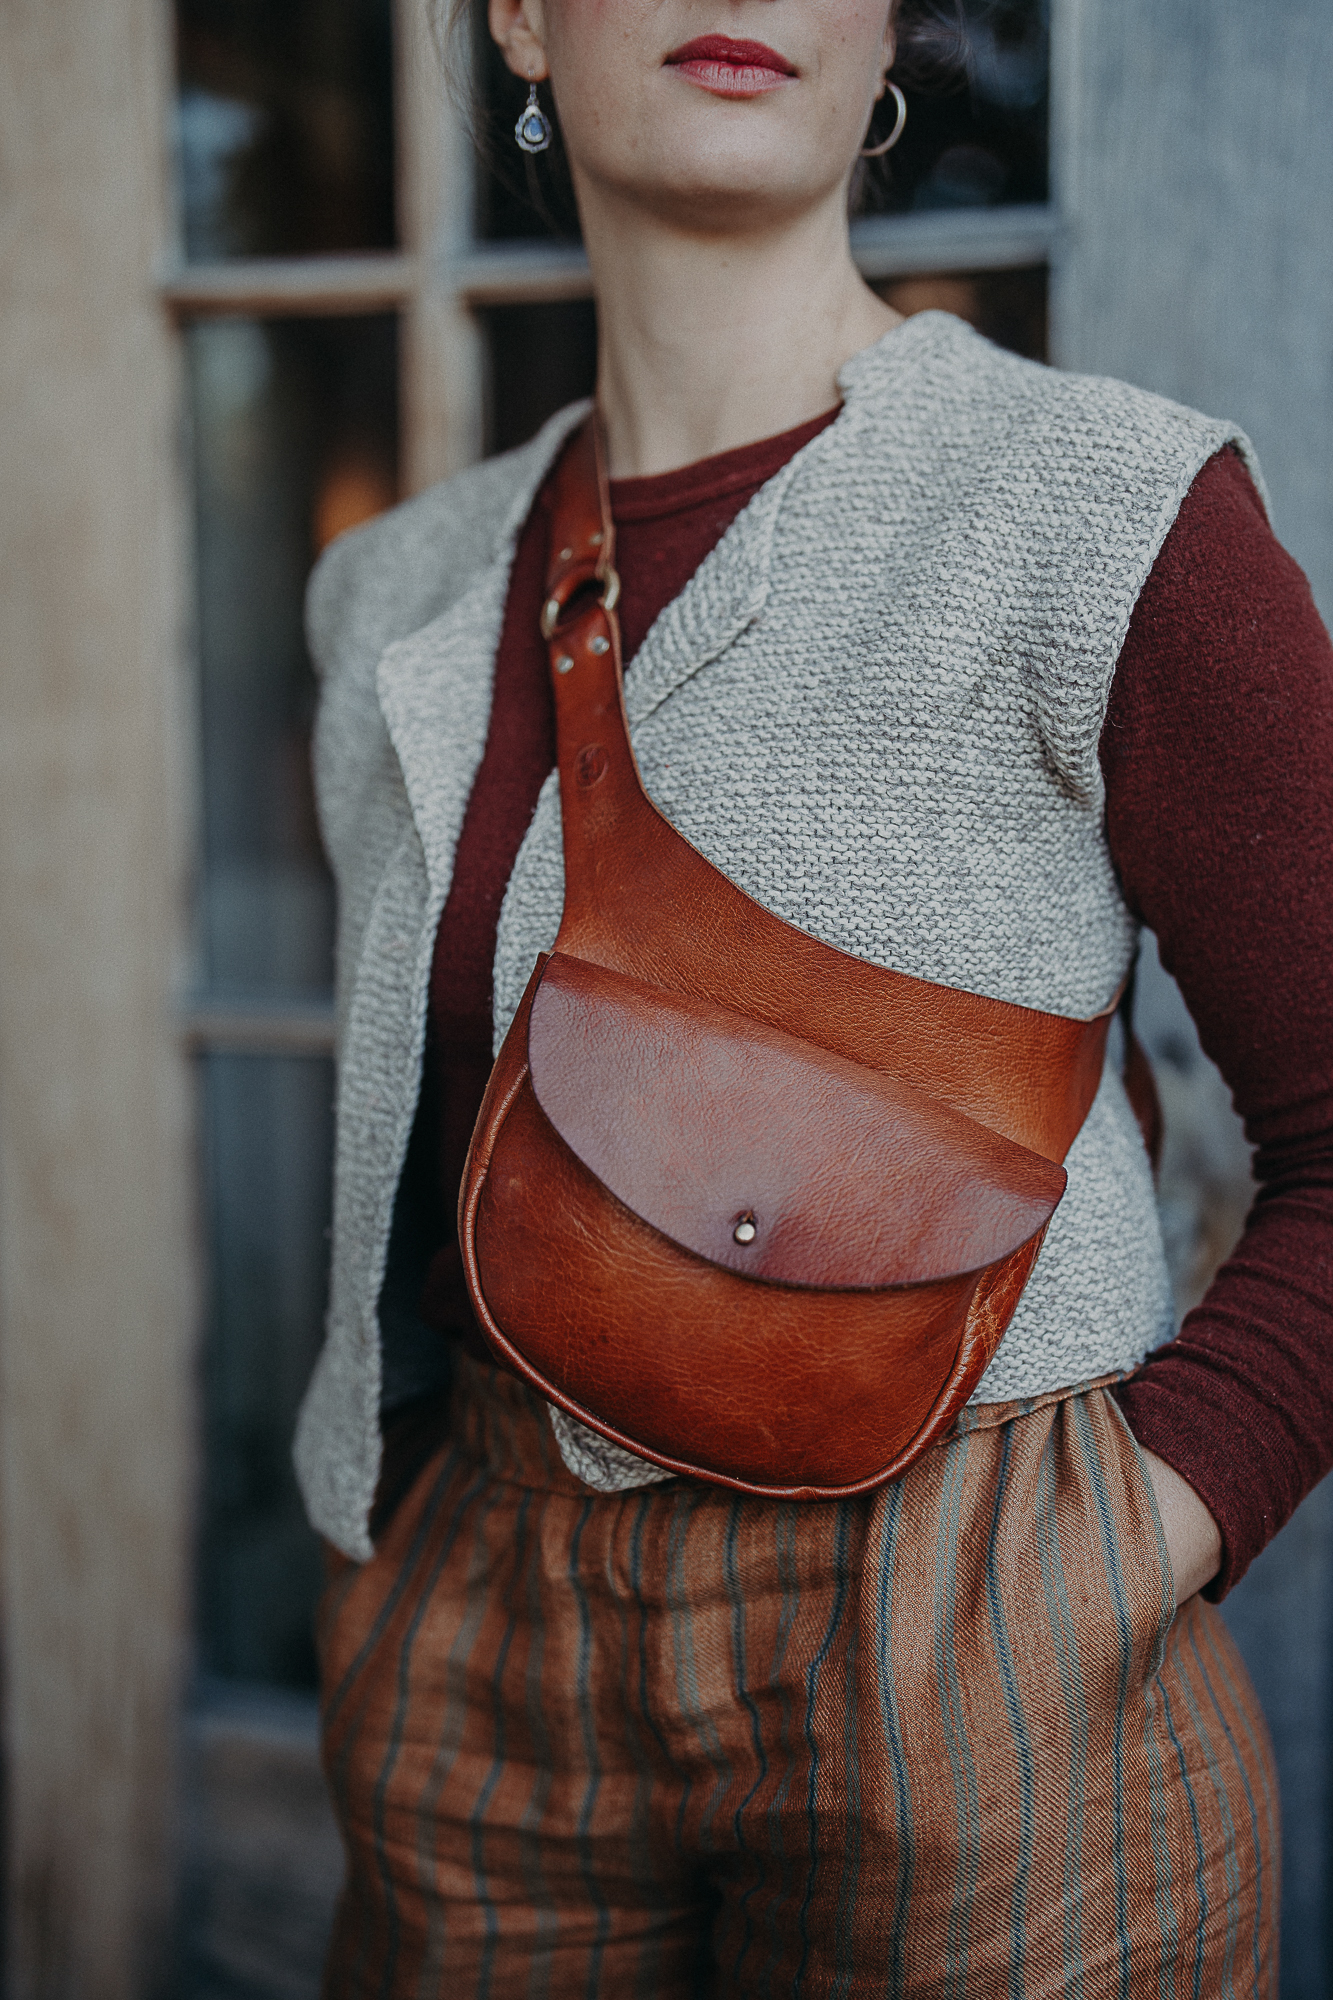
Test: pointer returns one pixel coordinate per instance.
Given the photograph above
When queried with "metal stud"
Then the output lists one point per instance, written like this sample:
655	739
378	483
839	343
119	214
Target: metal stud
599	644
564	663
745	1231
595	541
566	554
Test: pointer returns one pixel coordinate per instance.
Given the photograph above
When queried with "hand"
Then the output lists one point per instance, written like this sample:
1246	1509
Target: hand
1193	1538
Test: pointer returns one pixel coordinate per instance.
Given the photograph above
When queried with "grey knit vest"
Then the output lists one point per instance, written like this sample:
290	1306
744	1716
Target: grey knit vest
876	706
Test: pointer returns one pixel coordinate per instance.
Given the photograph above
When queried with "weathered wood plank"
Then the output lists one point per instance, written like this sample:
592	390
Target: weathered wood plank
96	1286
1194	165
275	287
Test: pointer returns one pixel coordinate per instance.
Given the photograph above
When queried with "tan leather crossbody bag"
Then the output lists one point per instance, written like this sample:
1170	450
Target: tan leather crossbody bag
746	1205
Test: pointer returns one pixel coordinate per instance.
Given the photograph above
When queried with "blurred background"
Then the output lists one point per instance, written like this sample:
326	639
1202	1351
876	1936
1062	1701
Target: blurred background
258	281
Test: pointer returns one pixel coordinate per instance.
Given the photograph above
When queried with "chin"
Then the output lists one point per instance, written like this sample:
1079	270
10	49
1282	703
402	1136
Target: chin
723	192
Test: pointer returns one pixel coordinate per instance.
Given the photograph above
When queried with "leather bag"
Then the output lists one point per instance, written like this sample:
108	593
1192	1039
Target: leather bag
747	1206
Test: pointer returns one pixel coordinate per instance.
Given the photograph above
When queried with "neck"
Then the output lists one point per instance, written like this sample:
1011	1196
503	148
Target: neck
707	342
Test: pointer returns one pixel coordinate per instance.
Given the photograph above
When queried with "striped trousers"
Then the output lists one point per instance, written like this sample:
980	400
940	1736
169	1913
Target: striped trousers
947	1739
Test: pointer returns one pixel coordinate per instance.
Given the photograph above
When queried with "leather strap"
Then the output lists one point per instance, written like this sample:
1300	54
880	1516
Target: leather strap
602	801
640	900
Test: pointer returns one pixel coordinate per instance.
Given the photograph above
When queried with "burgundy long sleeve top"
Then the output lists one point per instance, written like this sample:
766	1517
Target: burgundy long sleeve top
1216	752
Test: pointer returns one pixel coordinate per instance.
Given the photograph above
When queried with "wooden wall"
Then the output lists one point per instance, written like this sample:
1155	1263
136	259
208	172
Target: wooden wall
96	1256
1195	172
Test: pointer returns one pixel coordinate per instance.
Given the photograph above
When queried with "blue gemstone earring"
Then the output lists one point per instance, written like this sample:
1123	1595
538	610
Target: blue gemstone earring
533	130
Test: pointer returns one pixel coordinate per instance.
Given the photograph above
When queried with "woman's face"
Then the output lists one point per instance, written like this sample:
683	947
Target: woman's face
709	112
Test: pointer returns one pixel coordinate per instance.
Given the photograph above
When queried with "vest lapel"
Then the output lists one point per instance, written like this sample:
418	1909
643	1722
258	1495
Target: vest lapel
728	590
435	686
723	597
435	694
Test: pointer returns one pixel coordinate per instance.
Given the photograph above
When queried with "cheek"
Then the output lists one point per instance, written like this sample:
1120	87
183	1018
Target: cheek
589	35
851	37
597	49
851	57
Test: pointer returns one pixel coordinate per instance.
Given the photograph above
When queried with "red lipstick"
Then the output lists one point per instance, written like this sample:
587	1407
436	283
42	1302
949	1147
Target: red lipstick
730	68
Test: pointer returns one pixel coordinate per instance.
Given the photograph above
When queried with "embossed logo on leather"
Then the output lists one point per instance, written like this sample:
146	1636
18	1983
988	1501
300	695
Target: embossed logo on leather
590	765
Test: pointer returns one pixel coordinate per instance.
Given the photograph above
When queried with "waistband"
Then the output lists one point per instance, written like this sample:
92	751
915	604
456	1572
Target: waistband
499	1422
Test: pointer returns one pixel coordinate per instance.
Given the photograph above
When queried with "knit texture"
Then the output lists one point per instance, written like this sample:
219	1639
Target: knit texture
876	707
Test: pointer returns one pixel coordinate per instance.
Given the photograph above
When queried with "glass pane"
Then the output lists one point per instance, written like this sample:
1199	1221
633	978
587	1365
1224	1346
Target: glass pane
267	1130
978	140
976	133
295	438
285	126
538	359
1009	307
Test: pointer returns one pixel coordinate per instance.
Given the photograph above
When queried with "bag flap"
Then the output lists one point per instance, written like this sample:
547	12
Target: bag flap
703	1122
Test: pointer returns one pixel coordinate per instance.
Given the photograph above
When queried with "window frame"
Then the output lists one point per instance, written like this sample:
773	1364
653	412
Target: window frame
438	281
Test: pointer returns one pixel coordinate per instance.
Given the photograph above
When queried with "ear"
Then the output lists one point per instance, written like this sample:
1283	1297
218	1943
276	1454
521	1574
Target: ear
516	25
889	45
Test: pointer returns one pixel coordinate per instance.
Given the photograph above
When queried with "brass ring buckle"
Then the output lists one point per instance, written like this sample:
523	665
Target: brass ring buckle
553	610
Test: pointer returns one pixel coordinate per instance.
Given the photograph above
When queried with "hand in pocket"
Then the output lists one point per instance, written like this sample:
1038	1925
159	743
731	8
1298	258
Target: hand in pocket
1193	1538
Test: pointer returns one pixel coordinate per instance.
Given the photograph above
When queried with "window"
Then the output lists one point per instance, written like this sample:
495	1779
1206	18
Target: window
367	303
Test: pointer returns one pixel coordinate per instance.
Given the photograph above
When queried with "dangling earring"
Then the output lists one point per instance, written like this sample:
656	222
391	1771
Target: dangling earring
877	152
533	130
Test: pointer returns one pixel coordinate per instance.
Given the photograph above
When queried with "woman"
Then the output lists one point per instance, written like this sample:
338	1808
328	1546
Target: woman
966	668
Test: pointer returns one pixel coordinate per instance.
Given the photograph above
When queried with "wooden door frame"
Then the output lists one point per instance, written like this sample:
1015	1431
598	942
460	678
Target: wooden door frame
99	1238
98	1292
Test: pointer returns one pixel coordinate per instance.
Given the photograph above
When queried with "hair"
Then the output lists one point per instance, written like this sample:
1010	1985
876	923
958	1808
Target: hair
931	53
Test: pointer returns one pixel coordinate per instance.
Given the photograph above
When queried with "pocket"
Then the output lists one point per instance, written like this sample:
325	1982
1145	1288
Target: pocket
1141	1587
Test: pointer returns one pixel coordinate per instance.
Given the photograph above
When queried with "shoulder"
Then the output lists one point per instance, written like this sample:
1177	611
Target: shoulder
387	579
380	584
1064	486
1223	573
1038	501
1055	436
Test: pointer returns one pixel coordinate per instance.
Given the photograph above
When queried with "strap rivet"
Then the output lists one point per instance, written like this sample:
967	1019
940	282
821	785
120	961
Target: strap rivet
746	1230
566	555
564	663
595	541
599	644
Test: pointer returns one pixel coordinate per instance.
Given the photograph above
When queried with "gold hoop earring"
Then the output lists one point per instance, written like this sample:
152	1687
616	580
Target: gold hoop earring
877	152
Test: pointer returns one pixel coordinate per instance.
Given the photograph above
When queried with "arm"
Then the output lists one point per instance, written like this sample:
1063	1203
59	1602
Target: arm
1217	753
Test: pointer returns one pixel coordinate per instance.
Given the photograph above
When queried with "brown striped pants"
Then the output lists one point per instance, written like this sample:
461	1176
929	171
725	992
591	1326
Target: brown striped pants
943	1740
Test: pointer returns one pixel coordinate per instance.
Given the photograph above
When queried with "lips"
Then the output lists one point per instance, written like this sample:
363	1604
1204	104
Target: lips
730	68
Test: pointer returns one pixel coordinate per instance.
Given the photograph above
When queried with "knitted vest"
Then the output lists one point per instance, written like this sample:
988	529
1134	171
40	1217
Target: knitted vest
876	707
